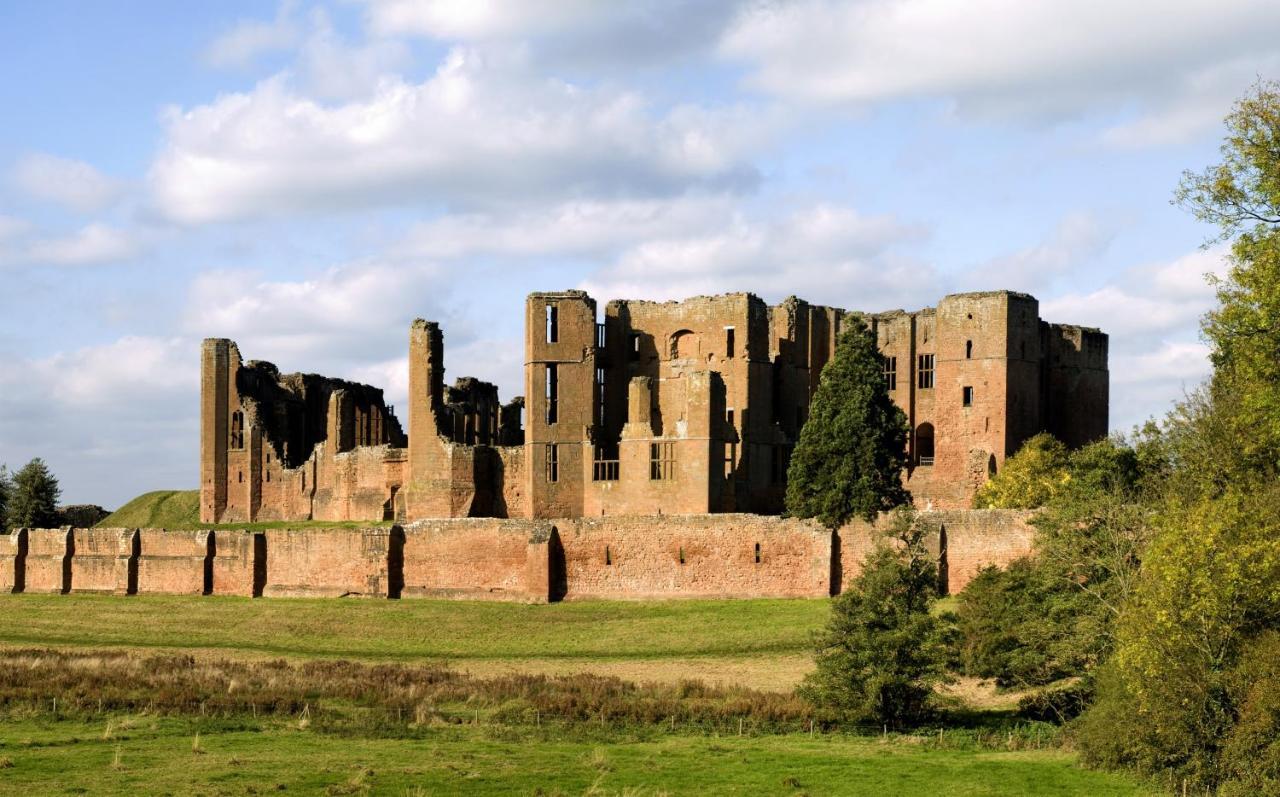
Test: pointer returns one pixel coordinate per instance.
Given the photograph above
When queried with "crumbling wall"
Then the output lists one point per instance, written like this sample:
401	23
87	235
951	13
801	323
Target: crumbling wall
13	561
48	560
964	541
239	562
327	562
474	558
175	562
706	556
104	560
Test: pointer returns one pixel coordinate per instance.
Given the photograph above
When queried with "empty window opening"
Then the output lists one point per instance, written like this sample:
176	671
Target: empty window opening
924	444
553	392
633	346
682	554
757	553
553	463
662	461
924	371
553	323
728	341
600	377
604	466
968	350
608	556
968	397
237	430
239	477
728	416
891	372
730	459
268	477
600	336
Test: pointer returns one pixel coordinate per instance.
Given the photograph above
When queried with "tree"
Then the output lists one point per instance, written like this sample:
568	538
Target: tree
6	486
34	503
1029	478
852	450
882	652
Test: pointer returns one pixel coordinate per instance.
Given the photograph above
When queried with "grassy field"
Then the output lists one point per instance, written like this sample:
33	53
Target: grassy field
168	695
147	755
764	643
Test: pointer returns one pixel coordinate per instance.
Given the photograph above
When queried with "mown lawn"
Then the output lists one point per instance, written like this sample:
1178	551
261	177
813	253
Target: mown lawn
163	756
762	643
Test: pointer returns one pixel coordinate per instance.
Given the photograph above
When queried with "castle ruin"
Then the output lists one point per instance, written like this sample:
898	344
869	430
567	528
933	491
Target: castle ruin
684	408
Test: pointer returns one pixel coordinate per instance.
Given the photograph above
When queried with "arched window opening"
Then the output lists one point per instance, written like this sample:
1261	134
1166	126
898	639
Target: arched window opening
924	444
684	345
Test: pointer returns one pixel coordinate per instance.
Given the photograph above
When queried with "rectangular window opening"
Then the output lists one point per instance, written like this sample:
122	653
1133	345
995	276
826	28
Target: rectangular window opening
633	346
968	397
608	556
891	372
604	465
553	392
553	463
662	461
553	323
728	341
757	553
925	372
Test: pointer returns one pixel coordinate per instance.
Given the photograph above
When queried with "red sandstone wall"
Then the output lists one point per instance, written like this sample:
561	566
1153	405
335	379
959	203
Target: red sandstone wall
172	562
974	538
233	563
47	551
13	554
639	557
476	558
327	562
101	559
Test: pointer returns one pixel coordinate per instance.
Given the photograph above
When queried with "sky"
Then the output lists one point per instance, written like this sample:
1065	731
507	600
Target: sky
307	178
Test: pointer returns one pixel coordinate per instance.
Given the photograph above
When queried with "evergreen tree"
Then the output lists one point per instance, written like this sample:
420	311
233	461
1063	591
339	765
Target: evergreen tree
34	502
852	450
882	651
5	487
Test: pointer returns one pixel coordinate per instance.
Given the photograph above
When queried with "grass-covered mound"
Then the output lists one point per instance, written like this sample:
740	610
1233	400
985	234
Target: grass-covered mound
165	509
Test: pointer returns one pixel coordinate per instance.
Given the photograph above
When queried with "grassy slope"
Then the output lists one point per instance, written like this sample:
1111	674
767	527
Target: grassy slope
155	756
166	509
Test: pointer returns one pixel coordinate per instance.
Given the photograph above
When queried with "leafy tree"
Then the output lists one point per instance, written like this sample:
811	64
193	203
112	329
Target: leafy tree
1029	478
852	450
34	503
882	651
6	487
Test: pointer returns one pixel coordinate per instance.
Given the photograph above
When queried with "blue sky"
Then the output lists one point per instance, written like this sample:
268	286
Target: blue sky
306	178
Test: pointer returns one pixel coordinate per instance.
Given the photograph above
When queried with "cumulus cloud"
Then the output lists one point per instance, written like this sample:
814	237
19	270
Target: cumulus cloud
1006	58
71	183
827	254
107	417
334	68
478	132
92	244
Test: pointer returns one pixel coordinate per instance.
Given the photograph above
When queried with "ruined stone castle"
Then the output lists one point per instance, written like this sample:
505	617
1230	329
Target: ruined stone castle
681	408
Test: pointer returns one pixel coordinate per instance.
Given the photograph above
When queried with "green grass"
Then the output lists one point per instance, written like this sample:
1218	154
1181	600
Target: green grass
180	509
114	755
162	509
414	629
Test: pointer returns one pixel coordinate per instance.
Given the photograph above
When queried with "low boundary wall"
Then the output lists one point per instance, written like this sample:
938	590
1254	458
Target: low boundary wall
621	557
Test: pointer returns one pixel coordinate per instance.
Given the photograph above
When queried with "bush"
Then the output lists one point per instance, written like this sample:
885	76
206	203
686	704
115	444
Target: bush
882	652
1029	478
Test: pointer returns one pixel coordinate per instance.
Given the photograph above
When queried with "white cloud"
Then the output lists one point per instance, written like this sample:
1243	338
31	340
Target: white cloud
1021	58
91	244
479	132
250	39
336	69
11	227
1077	239
480	19
824	253
71	183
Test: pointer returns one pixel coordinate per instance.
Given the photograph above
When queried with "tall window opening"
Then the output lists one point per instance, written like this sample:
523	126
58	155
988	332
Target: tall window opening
757	553
553	392
552	463
728	341
608	556
891	372
968	397
604	465
924	444
968	350
237	430
600	396
553	323
662	461
633	346
924	371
